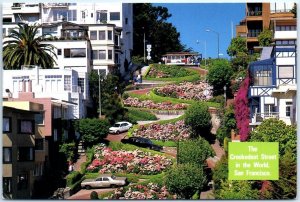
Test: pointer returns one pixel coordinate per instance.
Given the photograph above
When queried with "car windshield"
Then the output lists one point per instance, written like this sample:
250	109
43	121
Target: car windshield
113	177
117	125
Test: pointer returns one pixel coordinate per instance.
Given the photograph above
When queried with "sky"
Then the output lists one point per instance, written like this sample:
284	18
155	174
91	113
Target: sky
193	19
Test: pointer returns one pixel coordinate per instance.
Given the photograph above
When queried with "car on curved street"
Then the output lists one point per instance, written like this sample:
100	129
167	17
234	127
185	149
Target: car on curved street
142	142
120	127
104	180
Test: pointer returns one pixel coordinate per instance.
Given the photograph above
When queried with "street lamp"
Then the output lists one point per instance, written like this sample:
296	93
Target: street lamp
210	30
204	50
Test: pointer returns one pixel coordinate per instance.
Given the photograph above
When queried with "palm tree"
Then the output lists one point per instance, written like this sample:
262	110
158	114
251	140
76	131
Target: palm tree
24	47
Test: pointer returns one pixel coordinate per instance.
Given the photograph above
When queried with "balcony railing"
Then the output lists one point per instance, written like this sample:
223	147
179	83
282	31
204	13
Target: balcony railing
253	33
72	88
259	117
254	13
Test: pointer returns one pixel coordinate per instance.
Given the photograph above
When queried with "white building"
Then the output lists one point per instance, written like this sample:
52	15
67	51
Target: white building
113	48
60	84
273	90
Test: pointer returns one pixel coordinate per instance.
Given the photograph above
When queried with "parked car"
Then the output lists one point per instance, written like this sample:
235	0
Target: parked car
142	142
120	127
104	180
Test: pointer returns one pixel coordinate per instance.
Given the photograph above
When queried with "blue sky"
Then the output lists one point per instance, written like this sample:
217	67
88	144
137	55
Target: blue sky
192	19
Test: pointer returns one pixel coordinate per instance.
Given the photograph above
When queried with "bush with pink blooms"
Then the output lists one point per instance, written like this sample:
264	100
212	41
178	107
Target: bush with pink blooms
199	91
165	132
149	104
108	161
142	192
241	109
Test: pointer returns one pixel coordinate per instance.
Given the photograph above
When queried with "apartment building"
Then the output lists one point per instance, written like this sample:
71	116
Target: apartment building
258	17
22	162
113	42
59	84
272	93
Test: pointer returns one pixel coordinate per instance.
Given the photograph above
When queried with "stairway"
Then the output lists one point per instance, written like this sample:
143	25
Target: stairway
80	148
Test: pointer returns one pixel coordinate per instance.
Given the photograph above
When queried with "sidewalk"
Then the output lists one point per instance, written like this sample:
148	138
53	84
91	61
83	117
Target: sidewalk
80	160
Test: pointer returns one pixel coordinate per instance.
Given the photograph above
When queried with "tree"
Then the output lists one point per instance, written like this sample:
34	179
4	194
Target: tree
195	151
198	117
219	75
237	190
185	180
241	109
294	10
94	195
93	130
111	89
220	172
238	45
68	149
24	47
228	122
273	130
265	37
151	21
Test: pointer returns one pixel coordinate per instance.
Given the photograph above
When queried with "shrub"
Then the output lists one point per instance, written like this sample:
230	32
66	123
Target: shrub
94	195
195	151
68	149
218	99
220	172
219	75
184	180
198	117
73	177
135	115
241	109
93	130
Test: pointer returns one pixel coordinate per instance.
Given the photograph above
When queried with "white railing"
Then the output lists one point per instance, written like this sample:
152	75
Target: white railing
259	117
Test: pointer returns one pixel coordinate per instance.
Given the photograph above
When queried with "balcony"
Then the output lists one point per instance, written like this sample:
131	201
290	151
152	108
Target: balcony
259	117
25	8
254	13
56	5
253	33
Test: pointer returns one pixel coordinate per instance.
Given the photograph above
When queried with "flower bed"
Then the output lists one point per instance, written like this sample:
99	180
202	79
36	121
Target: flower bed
167	71
140	192
139	162
166	132
187	91
149	104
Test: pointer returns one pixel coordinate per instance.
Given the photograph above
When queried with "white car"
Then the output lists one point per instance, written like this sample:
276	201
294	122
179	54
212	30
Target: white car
104	180
120	127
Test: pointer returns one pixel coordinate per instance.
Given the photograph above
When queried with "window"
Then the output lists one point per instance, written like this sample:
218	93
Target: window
102	16
3	31
39	118
105	179
115	16
22	181
55	135
39	144
109	35
67	15
7	185
288	109
285	72
102	54
7	154
116	40
38	169
262	78
269	108
26	126
6	124
80	83
67	82
25	154
110	54
93	35
59	51
126	21
101	35
74	53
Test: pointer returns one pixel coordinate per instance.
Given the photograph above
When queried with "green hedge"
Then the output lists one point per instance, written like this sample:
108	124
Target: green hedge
165	143
73	177
136	114
159	99
89	157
